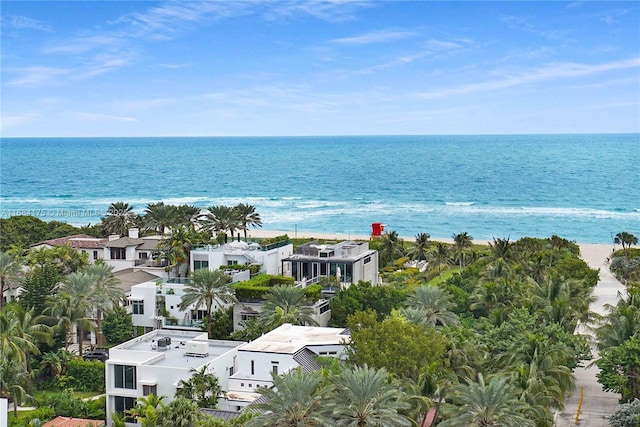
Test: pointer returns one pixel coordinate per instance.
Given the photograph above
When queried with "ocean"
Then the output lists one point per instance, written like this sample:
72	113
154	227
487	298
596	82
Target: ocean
585	188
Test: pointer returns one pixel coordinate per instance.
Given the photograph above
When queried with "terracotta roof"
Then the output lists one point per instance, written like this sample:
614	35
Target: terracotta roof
73	422
83	241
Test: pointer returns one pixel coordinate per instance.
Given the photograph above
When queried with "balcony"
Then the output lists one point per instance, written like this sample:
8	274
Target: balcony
146	262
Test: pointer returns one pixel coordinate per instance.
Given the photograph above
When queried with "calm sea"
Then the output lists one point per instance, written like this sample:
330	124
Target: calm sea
582	187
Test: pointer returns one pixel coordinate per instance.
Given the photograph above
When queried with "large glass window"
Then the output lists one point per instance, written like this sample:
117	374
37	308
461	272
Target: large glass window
125	376
118	253
123	404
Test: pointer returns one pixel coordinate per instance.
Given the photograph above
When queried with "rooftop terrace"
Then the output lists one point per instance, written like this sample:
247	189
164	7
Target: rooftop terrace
291	338
153	349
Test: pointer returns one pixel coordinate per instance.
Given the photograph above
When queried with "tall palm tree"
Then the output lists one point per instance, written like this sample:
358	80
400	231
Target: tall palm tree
247	216
502	249
76	291
432	303
207	287
285	304
20	332
439	257
186	215
621	322
392	248
220	219
9	274
364	396
120	217
159	217
296	399
180	412
202	387
461	242
420	249
105	294
484	405
626	240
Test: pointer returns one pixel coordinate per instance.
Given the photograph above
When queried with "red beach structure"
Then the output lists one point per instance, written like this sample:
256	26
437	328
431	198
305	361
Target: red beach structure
376	229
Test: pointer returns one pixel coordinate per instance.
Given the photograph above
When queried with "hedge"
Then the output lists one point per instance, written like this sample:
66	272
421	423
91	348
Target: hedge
84	375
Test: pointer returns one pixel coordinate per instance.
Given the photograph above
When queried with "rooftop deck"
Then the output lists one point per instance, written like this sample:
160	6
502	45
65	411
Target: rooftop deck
146	351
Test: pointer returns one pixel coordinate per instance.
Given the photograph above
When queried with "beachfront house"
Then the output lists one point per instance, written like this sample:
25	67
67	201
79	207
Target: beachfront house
348	261
157	361
262	258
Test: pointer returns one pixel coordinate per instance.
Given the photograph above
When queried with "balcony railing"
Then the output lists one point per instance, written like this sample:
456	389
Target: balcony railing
197	324
146	262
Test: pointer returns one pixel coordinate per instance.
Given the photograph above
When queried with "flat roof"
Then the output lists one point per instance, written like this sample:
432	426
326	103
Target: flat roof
141	350
291	338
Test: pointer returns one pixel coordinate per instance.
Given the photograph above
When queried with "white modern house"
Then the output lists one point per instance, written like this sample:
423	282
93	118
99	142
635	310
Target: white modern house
279	351
266	258
348	261
157	361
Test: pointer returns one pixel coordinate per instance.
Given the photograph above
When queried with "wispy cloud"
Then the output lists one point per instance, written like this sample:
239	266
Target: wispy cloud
31	77
19	22
104	63
103	117
12	120
174	66
549	72
381	36
84	44
610	17
329	11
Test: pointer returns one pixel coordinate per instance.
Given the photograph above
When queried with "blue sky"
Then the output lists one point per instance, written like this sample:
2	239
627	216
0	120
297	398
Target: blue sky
182	68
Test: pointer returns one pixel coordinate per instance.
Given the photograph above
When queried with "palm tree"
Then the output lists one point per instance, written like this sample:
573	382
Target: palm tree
285	304
75	292
159	217
439	257
432	303
461	242
621	322
485	405
120	217
296	399
247	216
106	292
392	248
202	387
420	249
186	215
207	287
364	396
180	412
9	274
20	332
145	411
180	242
220	219
626	240
502	249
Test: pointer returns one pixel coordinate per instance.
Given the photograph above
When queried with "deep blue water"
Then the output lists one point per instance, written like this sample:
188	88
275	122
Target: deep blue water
582	187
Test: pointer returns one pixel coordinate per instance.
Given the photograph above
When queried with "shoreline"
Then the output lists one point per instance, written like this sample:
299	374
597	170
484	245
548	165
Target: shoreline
594	254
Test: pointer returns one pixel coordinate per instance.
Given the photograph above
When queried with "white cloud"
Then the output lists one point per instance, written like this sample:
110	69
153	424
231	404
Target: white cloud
381	36
80	45
36	76
105	117
549	72
19	22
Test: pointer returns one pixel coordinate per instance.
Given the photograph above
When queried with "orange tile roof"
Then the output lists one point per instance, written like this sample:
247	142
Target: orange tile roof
73	422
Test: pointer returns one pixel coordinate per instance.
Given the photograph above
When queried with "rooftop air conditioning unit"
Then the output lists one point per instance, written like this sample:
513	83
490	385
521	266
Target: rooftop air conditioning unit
197	348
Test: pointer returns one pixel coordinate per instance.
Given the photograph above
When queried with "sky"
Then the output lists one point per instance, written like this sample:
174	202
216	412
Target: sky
262	68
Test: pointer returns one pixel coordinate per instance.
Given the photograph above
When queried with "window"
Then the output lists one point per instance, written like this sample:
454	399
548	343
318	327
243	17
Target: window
253	367
143	255
246	316
138	307
125	376
95	255
118	253
123	404
231	371
197	265
274	369
324	307
149	389
232	262
367	260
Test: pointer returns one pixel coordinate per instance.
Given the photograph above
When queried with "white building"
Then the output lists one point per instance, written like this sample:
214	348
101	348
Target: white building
279	351
267	258
152	364
348	261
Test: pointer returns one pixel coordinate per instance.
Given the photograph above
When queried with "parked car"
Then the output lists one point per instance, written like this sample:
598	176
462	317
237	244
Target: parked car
101	355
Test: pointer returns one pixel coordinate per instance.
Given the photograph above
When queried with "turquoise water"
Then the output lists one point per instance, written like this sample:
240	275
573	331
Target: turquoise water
582	187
